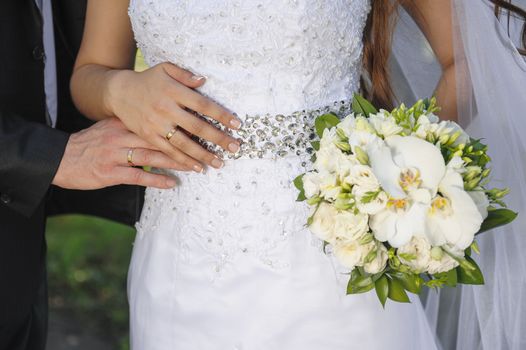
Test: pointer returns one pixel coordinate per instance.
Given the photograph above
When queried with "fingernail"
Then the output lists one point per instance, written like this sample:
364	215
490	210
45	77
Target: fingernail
198	77
235	123
217	163
171	183
198	168
233	147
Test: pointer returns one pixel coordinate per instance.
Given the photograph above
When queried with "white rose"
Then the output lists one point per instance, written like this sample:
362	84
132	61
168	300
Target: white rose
331	159
329	138
323	222
349	227
416	254
365	140
385	125
441	262
347	124
363	176
329	188
481	201
352	254
366	205
312	183
380	261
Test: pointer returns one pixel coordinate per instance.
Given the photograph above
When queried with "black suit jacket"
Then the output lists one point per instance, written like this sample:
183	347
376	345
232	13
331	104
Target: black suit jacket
30	151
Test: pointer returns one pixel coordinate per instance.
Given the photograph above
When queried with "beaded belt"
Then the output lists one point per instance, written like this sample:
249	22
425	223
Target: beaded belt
275	136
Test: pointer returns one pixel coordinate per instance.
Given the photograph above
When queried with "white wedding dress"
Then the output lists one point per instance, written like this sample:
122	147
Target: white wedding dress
224	260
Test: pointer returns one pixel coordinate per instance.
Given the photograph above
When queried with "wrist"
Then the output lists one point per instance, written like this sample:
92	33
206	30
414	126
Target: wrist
116	83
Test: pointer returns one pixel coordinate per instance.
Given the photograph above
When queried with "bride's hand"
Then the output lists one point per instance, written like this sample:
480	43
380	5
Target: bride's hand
152	104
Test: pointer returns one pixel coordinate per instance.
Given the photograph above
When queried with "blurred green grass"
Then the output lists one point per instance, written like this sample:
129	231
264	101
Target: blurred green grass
87	268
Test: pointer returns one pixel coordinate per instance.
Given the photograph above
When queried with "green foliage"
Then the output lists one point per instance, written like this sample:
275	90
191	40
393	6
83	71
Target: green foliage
382	289
298	183
87	267
469	272
361	106
325	121
497	218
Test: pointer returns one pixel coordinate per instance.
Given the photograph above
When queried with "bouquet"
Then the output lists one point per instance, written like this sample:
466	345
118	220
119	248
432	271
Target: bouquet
398	198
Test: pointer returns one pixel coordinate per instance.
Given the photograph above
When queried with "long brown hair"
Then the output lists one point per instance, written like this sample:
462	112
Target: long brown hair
377	45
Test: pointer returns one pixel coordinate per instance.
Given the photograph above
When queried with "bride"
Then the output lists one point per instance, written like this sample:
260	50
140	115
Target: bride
223	260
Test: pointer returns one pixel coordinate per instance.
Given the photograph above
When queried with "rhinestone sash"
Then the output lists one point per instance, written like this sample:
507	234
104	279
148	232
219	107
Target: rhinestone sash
275	136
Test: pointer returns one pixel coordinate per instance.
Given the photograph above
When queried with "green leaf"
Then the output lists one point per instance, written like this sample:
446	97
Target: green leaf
449	278
359	284
370	196
496	218
410	281
469	272
325	121
397	291
382	289
315	145
361	106
298	183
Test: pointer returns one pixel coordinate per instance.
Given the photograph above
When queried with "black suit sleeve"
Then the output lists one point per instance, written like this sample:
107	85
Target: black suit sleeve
30	154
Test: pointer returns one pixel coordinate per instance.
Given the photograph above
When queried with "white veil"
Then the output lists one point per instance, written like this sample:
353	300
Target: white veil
491	89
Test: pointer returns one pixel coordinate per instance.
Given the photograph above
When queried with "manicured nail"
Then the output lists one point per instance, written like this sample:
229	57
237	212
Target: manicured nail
198	77
217	163
235	123
171	183
233	147
198	168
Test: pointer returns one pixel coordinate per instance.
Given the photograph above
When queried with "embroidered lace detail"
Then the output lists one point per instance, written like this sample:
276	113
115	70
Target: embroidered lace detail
261	56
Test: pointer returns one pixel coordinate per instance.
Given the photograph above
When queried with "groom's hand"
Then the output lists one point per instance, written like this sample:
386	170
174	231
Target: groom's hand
99	157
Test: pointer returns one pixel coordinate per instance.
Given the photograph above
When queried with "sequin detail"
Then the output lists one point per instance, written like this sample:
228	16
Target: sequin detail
276	136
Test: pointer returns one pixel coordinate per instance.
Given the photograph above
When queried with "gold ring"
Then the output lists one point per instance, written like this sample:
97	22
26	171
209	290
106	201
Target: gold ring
171	133
130	157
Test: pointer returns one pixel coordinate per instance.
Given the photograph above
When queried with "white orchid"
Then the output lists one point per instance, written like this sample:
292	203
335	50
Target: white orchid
426	197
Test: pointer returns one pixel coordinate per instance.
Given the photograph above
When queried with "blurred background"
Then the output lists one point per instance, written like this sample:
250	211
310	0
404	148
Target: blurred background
87	270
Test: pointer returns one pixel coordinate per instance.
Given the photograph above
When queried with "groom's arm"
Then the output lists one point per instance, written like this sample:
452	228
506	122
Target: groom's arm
30	154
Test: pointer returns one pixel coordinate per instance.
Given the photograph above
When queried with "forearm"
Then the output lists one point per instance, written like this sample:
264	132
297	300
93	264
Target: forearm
94	86
446	94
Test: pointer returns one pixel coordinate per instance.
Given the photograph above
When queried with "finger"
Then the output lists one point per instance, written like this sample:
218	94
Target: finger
183	76
177	155
135	176
201	104
131	140
207	131
184	143
147	157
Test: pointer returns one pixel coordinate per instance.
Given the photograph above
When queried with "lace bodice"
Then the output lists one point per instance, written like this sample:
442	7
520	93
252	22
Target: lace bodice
264	56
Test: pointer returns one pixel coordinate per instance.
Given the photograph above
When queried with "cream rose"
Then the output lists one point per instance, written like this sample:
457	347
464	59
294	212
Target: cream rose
441	262
352	254
416	254
363	176
380	261
350	227
323	223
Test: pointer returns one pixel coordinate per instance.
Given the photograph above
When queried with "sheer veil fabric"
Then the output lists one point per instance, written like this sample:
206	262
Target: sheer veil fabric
491	86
